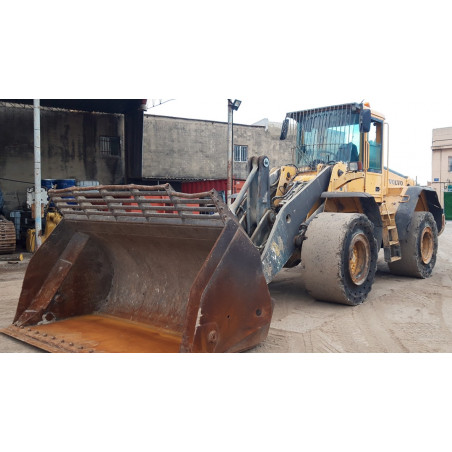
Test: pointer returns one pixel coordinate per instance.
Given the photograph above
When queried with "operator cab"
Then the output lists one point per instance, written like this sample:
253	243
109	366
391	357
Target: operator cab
328	135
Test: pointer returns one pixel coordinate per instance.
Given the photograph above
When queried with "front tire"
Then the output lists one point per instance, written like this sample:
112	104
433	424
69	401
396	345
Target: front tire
339	257
419	248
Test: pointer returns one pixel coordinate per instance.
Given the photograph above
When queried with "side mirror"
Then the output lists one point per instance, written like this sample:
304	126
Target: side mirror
364	120
284	129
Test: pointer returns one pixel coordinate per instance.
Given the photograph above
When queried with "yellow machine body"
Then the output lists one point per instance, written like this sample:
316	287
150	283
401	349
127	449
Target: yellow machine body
52	220
387	187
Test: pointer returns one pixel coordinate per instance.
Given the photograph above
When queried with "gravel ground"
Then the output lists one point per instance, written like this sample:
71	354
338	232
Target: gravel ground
401	314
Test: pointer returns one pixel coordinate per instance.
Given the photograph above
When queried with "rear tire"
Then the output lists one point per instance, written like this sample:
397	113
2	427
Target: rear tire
339	257
419	248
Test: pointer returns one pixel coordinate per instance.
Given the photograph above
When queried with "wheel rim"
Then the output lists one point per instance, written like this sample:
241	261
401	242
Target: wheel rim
359	259
427	245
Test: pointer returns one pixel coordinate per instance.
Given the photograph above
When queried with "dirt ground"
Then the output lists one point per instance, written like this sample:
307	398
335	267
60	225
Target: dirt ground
400	315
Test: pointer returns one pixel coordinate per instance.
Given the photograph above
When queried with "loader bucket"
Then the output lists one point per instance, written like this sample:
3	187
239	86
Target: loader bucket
143	269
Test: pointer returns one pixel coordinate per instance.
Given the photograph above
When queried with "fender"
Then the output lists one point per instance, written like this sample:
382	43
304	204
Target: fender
406	209
368	207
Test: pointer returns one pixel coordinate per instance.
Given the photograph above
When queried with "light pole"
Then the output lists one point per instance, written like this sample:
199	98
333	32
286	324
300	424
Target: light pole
231	107
37	170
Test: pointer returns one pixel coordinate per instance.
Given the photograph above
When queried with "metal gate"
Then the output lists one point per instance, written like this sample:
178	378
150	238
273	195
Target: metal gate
448	205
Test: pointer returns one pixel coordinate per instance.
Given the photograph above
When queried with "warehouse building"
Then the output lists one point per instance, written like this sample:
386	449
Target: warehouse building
191	154
90	140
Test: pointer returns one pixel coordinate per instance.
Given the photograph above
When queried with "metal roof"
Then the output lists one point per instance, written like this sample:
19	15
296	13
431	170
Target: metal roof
295	114
120	106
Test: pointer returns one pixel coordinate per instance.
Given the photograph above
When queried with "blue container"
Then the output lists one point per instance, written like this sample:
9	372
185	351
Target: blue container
47	183
64	183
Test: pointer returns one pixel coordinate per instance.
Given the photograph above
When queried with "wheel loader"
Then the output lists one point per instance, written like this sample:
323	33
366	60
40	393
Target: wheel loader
146	269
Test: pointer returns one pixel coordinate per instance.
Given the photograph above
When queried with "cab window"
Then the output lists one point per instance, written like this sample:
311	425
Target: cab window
375	145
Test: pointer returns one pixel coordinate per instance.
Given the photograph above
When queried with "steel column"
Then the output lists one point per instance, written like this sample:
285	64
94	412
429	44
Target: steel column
37	169
230	153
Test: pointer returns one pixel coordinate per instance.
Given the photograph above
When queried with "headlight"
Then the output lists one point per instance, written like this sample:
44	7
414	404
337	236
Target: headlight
353	166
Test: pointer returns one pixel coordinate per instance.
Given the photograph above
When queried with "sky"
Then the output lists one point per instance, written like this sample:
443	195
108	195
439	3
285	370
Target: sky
275	57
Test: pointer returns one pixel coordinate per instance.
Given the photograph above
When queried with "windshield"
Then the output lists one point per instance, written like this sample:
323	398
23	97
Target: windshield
326	137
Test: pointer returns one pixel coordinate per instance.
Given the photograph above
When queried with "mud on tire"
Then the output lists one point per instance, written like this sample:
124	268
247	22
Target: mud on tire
419	248
339	257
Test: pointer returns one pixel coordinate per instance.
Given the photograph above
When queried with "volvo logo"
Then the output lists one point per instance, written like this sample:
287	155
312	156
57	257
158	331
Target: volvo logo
395	182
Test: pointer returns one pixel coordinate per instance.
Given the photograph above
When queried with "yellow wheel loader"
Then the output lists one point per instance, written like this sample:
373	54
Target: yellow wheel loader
146	269
52	220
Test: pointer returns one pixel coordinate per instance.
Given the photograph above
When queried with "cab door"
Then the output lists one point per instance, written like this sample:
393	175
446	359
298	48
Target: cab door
373	142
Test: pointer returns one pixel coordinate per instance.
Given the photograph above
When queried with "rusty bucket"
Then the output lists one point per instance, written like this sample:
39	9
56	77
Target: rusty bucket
123	272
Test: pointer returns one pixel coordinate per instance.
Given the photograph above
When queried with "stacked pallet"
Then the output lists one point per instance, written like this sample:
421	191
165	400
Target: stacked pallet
7	236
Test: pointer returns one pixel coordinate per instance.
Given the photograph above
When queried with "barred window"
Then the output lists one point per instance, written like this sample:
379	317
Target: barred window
110	146
240	153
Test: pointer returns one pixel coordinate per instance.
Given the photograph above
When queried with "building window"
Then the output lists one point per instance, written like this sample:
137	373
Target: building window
110	146
450	164
240	153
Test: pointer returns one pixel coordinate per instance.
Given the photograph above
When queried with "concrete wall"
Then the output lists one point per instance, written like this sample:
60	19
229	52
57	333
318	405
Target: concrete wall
70	148
441	151
177	148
